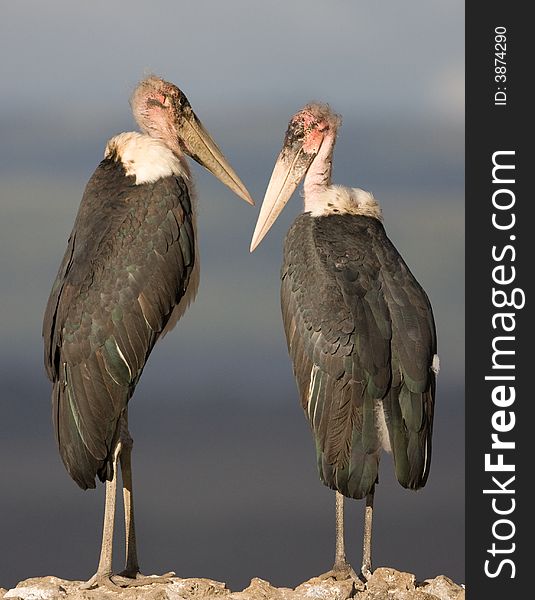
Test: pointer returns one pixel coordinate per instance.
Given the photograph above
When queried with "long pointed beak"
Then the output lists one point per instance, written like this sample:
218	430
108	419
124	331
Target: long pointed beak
198	144
288	172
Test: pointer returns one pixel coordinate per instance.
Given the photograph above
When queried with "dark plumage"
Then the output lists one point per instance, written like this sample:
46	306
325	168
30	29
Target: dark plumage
360	333
128	264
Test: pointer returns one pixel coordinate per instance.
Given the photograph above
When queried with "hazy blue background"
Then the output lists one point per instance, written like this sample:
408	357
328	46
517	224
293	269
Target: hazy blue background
223	459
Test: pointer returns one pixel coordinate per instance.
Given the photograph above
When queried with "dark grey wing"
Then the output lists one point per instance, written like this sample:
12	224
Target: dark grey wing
340	335
409	404
127	266
339	347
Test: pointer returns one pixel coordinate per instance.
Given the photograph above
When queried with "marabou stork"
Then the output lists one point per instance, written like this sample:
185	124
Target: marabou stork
359	327
129	272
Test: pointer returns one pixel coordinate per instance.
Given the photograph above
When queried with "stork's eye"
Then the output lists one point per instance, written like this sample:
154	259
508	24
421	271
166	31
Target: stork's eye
159	101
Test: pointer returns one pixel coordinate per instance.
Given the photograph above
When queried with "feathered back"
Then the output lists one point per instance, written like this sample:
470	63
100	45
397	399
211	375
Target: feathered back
361	336
128	263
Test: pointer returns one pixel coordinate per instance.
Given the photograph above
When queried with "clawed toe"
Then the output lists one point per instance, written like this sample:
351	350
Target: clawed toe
127	579
341	572
100	580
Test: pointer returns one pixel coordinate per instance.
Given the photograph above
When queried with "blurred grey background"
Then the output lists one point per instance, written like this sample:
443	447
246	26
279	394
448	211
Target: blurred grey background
223	460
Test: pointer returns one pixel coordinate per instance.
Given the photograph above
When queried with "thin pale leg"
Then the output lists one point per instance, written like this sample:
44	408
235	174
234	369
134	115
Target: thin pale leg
341	568
132	565
366	568
340	553
131	575
104	569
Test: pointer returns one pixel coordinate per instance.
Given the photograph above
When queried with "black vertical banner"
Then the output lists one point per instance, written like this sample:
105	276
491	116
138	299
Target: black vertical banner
499	299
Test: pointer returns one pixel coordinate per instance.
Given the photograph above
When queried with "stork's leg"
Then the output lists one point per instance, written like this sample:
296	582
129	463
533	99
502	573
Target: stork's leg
104	569
341	568
340	562
366	568
131	575
132	565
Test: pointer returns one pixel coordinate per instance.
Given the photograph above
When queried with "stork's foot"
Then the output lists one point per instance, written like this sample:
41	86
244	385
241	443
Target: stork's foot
341	572
365	572
129	578
125	579
101	580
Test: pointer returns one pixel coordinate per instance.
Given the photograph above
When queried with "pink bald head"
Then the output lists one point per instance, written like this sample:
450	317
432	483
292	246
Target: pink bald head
162	111
306	153
311	125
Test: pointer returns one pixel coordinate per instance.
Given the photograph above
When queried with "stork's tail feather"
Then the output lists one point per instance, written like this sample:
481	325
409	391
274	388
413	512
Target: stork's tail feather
354	478
81	465
409	418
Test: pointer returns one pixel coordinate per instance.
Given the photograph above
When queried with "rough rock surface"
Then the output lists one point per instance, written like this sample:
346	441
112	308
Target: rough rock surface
384	584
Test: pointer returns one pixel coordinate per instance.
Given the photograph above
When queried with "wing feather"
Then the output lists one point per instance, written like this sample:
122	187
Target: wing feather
127	265
360	332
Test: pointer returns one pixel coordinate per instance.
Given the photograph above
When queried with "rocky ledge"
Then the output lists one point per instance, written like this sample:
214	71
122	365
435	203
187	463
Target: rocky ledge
384	584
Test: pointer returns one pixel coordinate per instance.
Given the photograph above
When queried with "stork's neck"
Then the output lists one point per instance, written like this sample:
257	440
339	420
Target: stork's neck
323	199
318	177
146	157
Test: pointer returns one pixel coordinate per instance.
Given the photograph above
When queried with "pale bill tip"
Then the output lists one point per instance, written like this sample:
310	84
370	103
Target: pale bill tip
248	199
254	242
